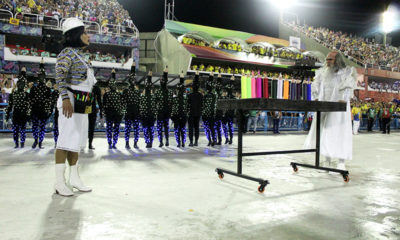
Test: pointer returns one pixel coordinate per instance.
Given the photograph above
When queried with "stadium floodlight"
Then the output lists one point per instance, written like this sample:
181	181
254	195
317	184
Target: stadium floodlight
282	4
388	21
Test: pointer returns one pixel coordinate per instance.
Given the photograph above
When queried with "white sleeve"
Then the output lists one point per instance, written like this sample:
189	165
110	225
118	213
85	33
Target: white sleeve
348	84
347	94
349	80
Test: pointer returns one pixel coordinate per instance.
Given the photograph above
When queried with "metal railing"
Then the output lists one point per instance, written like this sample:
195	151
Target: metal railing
90	26
37	20
265	123
120	30
5	15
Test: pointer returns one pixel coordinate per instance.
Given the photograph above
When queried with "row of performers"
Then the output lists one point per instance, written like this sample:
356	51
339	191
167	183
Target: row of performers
153	106
34	105
263	87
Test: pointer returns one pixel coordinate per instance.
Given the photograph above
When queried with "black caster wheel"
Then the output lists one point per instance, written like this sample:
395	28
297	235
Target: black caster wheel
220	175
346	178
261	188
295	169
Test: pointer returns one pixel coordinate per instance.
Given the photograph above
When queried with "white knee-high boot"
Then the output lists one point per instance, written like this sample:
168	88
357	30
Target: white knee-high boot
60	186
76	181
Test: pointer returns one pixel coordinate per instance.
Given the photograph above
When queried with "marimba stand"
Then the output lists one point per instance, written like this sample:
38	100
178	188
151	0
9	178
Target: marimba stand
278	105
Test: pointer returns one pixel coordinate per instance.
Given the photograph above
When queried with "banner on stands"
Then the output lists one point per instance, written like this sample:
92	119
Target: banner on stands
14	21
18	29
115	40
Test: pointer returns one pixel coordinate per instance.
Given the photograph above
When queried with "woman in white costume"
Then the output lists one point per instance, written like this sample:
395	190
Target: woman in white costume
334	82
75	79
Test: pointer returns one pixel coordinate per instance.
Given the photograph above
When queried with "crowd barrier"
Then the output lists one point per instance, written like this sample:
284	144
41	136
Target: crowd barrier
287	123
37	20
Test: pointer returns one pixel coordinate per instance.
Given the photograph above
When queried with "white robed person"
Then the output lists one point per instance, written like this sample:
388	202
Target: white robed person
335	82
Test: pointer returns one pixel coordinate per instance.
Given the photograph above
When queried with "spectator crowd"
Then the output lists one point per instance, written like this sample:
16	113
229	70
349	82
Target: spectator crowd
385	87
361	50
367	114
103	12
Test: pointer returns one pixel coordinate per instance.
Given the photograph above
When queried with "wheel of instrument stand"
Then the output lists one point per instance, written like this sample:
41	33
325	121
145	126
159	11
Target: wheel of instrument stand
295	169
346	178
261	188
220	175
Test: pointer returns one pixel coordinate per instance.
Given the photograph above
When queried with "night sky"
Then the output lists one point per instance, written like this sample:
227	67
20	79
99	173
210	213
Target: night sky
359	17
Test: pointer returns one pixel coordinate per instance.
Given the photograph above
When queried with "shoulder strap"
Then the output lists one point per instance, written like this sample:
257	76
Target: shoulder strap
80	58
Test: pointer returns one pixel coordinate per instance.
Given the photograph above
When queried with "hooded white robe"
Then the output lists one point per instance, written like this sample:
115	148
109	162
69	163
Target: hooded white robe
336	130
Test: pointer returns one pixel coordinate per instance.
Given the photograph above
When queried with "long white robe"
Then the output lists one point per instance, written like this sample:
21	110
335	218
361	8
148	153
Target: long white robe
336	131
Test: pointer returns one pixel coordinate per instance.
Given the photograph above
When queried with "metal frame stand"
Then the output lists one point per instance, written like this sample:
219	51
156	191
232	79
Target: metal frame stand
263	183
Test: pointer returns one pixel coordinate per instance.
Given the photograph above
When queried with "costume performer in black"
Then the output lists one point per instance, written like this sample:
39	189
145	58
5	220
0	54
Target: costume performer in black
54	97
209	111
131	97
163	98
227	120
97	106
194	103
113	109
218	113
40	97
19	105
179	115
147	112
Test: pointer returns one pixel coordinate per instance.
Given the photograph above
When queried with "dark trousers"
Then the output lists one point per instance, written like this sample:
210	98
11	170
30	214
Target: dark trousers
92	122
55	131
129	124
163	125
19	127
227	126
276	125
370	124
180	130
38	128
112	131
386	125
218	129
55	126
19	131
209	129
309	122
194	125
148	130
244	126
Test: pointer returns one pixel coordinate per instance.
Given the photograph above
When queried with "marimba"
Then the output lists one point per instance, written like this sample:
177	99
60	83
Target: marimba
278	105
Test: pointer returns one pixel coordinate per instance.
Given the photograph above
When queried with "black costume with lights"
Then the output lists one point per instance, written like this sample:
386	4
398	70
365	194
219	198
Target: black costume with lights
19	106
40	97
131	97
